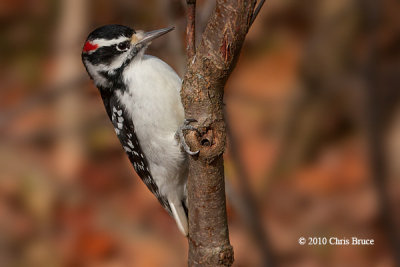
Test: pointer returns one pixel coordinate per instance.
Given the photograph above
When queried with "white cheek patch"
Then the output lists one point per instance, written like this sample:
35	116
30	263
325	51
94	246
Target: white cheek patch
94	71
117	62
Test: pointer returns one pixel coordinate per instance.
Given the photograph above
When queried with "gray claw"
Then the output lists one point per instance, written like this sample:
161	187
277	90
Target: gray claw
187	121
184	127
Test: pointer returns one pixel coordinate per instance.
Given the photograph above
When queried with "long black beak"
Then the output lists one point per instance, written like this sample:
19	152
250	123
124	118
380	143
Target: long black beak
150	36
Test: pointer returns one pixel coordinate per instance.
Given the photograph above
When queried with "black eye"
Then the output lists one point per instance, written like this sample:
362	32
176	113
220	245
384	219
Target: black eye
123	46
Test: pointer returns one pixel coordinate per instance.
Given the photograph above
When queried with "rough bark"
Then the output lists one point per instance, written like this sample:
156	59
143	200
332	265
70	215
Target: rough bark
190	28
202	96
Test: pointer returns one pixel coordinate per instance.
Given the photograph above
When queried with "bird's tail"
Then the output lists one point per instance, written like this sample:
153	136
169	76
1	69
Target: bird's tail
179	212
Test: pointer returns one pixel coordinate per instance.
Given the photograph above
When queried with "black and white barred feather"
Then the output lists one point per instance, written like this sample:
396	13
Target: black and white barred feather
125	131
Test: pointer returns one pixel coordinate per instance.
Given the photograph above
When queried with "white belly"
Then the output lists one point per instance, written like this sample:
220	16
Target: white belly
153	101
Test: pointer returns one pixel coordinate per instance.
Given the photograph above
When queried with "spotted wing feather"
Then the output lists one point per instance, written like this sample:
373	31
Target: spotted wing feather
125	131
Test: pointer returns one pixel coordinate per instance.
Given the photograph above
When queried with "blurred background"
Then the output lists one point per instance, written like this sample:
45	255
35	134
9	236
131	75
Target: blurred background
313	149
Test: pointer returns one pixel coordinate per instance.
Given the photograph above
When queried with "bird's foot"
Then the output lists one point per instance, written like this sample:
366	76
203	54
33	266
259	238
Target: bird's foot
186	126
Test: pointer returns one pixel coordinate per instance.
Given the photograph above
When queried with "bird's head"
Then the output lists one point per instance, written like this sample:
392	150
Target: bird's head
110	48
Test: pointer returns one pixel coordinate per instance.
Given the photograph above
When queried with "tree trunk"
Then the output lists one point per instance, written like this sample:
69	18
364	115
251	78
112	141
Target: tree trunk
202	96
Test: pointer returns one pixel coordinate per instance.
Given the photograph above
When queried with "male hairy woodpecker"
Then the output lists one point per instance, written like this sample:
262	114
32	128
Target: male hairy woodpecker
141	95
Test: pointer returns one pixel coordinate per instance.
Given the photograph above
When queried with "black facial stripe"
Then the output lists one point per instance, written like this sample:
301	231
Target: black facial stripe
104	55
114	78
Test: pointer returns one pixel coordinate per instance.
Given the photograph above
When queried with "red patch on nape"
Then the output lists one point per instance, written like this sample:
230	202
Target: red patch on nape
89	47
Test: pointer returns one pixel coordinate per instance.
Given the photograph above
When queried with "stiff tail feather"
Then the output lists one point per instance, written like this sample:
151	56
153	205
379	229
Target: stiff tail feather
180	216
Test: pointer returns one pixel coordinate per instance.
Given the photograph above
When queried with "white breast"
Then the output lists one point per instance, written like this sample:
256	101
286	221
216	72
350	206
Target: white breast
153	101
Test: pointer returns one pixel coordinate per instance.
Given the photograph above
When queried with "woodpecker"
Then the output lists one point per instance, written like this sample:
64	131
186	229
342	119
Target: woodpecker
141	95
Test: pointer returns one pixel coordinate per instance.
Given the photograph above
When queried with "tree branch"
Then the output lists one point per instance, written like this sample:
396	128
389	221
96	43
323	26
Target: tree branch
202	97
256	11
190	28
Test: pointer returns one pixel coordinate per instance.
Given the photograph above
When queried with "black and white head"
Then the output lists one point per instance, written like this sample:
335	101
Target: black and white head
109	49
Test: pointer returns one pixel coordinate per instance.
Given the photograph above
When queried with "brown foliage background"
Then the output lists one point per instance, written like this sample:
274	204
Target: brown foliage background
313	112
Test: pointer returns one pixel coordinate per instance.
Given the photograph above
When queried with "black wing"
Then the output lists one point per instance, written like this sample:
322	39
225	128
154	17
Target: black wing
125	131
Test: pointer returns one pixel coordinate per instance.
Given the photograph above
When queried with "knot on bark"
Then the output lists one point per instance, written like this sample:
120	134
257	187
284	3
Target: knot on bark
209	140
